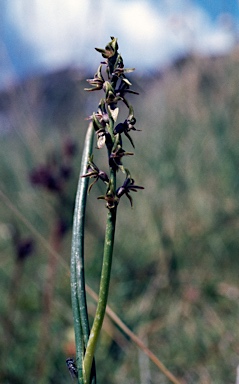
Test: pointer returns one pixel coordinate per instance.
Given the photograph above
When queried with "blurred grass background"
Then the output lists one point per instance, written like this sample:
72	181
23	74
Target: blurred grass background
175	269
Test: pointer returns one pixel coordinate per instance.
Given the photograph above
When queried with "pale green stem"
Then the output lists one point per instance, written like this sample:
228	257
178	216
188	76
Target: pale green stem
103	294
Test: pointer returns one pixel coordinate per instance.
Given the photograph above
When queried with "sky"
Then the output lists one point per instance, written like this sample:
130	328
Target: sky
42	36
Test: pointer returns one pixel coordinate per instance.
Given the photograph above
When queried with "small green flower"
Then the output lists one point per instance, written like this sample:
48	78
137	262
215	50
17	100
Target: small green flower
111	200
110	49
97	82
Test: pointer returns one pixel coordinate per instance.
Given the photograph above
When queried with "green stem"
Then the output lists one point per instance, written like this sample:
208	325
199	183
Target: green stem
103	294
78	294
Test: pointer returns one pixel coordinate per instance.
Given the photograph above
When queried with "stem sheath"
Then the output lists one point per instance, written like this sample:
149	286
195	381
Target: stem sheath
78	294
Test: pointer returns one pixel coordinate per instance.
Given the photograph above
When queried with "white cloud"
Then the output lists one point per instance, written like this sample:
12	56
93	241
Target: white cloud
64	32
50	27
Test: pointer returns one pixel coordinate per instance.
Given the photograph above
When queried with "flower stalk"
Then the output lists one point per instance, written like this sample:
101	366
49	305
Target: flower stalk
103	294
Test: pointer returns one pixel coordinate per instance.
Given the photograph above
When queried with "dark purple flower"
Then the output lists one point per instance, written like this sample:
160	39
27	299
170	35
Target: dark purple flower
126	188
69	148
116	156
44	177
94	172
65	172
125	127
24	248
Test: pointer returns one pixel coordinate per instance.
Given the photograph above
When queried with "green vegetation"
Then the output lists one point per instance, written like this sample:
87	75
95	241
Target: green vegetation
175	270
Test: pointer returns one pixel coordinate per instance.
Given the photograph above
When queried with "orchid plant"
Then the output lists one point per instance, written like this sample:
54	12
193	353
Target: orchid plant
111	79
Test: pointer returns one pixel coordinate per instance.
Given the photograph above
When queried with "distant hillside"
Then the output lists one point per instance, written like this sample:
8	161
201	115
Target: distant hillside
57	97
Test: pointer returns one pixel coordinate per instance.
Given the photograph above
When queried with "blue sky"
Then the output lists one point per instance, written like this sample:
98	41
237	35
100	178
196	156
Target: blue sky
217	7
37	35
